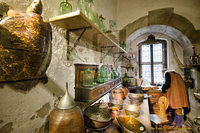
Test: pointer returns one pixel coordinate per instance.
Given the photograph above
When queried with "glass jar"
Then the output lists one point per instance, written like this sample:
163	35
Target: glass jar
88	78
65	7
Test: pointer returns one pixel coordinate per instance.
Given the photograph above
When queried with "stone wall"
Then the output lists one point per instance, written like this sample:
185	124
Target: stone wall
130	10
171	62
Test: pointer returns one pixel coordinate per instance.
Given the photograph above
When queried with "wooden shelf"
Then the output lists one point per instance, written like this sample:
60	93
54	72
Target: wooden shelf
76	20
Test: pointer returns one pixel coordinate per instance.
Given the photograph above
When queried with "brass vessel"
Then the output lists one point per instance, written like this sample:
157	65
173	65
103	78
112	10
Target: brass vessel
66	117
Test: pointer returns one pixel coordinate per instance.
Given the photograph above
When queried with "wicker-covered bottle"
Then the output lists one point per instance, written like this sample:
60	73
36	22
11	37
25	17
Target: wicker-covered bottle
66	117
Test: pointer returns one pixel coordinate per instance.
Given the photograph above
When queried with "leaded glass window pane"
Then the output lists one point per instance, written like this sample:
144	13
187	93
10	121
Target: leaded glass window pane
157	52
146	72
158	78
145	53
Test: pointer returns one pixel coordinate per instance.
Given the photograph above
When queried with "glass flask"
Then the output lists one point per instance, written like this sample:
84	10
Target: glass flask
126	81
65	7
109	73
82	7
101	24
90	9
95	19
115	74
104	67
88	78
101	75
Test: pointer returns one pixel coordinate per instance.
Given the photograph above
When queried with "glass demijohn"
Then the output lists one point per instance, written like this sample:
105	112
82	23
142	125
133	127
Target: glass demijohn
101	76
65	7
88	78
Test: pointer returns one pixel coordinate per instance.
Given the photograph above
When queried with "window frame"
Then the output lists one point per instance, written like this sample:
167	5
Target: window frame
151	63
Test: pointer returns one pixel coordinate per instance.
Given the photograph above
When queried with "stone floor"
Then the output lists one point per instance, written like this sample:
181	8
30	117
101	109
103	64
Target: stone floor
186	128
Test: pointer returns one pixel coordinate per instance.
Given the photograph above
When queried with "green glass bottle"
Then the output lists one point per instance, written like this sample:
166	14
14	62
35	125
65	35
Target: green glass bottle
65	7
82	5
101	23
88	78
101	76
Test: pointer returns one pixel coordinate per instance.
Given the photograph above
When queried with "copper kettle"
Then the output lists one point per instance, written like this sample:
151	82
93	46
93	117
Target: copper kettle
66	117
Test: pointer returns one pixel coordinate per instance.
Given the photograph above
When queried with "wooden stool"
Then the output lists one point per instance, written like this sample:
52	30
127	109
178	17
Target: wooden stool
157	121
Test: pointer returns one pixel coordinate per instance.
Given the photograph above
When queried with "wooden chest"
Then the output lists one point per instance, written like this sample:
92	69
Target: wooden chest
91	94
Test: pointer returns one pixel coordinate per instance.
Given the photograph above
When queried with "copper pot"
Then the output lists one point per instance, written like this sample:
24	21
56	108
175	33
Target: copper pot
114	111
117	103
117	94
96	118
101	104
136	99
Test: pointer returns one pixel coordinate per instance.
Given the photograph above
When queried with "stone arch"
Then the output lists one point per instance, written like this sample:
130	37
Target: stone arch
166	17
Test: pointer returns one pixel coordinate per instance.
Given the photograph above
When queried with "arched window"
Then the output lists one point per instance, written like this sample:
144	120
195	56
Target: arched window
152	59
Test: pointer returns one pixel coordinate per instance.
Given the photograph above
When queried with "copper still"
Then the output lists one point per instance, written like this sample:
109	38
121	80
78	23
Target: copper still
66	117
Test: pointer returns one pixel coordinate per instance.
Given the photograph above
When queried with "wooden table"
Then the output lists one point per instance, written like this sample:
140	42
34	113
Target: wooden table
144	118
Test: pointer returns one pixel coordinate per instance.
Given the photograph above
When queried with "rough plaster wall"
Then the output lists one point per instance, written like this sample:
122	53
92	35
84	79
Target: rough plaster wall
171	62
130	10
194	104
27	111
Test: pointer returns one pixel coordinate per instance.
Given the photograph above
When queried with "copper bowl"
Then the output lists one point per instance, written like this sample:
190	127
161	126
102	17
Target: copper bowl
96	117
132	110
130	125
136	99
117	103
